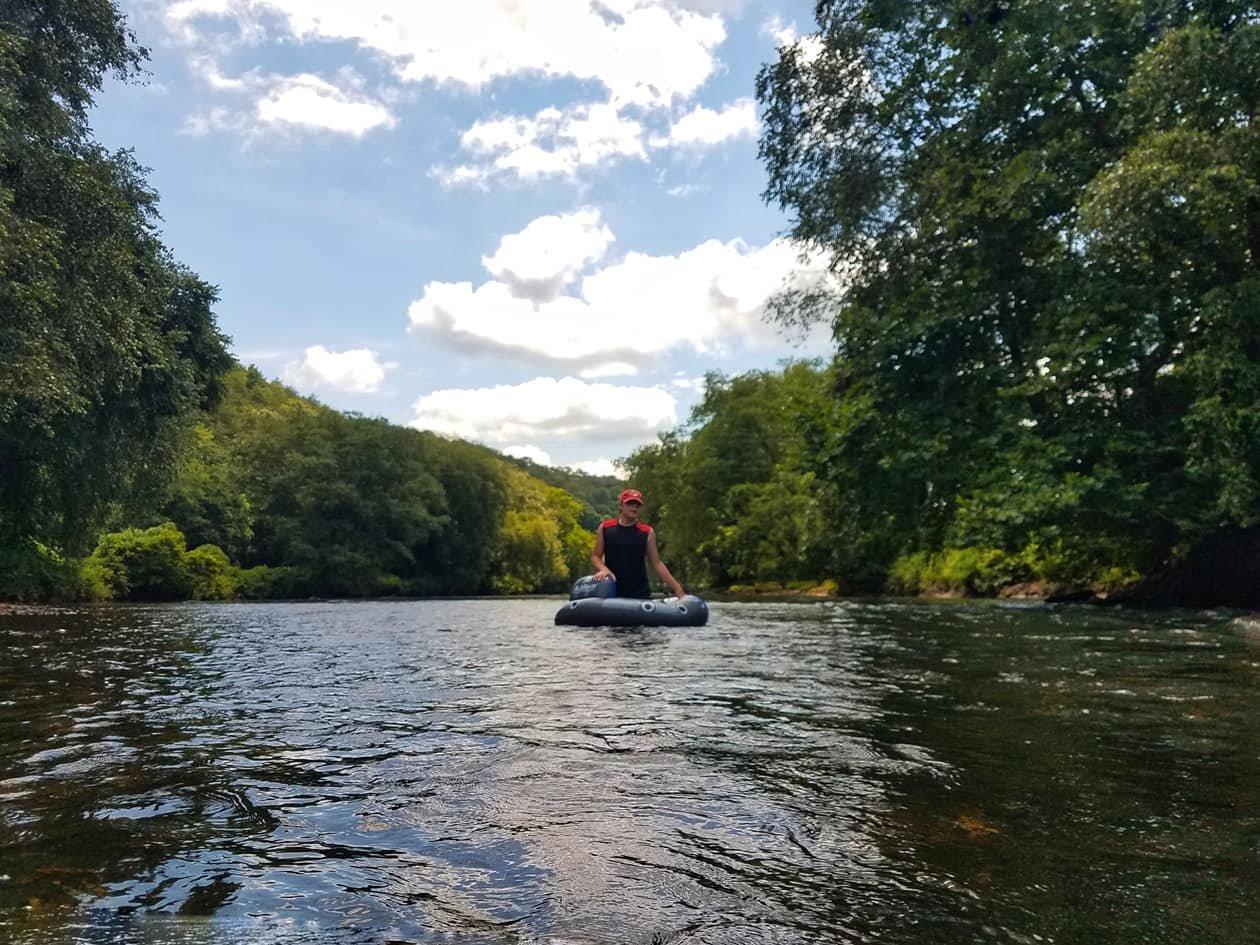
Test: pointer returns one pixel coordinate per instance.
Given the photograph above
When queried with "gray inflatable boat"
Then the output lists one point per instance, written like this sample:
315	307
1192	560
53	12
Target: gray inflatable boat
594	604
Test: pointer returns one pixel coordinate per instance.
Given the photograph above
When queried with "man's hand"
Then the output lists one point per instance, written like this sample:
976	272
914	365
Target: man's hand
603	574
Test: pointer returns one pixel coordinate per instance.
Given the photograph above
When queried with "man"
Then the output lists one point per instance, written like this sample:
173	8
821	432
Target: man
622	544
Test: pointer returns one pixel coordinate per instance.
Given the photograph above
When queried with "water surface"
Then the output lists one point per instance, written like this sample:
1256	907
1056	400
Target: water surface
463	771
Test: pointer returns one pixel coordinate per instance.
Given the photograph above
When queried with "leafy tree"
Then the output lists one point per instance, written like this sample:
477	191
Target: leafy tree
461	558
344	500
106	343
542	546
773	530
154	564
206	496
142	564
1049	221
310	501
596	493
737	496
209	574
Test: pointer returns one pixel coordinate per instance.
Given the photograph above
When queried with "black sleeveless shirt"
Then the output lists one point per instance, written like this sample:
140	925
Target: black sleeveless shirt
625	555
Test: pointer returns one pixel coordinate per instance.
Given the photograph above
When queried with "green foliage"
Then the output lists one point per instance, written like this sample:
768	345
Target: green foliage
142	564
206	497
962	571
210	574
34	572
771	531
596	493
461	559
970	572
734	495
542	546
1049	222
153	564
307	501
106	343
263	583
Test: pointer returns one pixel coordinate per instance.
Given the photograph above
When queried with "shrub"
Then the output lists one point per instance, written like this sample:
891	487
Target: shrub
31	571
968	571
210	573
97	579
906	574
264	583
142	564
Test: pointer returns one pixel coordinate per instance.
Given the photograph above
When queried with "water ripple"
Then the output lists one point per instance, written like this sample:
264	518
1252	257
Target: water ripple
465	771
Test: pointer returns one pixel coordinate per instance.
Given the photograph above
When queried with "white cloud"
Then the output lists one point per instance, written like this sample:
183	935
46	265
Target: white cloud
599	467
626	312
309	101
253	356
208	71
550	144
611	369
645	52
783	34
539	261
528	451
705	127
688	383
303	101
712	6
546	407
357	370
555	143
209	120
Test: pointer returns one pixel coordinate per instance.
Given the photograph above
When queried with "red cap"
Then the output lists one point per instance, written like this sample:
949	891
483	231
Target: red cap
628	495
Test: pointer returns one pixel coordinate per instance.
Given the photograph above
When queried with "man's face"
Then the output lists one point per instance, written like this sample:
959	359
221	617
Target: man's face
630	509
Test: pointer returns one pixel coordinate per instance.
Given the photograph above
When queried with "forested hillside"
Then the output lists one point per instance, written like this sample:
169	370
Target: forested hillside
598	494
275	495
296	499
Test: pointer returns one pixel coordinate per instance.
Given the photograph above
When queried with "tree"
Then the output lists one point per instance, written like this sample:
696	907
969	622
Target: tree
334	504
143	564
542	546
738	496
1049	219
107	345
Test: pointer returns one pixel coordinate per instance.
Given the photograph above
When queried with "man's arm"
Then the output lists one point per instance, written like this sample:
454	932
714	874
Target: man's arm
597	557
654	556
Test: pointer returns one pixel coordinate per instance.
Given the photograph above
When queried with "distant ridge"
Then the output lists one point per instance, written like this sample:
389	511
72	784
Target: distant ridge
598	494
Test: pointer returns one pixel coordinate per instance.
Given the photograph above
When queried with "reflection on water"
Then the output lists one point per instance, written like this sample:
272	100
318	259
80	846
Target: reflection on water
465	771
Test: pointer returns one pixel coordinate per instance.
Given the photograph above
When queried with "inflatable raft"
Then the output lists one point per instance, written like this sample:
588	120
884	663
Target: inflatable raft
593	604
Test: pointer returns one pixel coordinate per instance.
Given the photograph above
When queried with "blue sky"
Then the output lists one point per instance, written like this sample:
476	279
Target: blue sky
532	223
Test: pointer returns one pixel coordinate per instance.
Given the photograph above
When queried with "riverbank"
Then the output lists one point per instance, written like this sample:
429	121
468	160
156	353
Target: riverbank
764	591
1141	597
806	590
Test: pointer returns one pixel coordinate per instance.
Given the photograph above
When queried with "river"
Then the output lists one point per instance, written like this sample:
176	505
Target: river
464	771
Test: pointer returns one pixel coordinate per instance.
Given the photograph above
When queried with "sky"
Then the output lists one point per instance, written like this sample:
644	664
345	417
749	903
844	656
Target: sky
535	224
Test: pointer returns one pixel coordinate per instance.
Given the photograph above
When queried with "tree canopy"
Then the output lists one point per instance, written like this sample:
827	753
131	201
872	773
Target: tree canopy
1048	217
322	503
107	344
